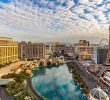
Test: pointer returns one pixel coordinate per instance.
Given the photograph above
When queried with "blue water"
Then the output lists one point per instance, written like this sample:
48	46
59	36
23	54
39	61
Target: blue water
56	83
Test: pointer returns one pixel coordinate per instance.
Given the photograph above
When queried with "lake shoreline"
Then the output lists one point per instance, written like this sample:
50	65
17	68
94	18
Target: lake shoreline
49	69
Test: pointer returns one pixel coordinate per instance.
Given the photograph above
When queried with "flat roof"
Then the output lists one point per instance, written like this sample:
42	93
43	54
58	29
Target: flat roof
6	37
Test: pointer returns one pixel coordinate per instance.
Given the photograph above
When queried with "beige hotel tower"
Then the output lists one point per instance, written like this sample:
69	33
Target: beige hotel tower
8	50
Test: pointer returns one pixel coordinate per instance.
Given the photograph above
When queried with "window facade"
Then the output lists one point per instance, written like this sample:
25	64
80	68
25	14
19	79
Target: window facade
8	50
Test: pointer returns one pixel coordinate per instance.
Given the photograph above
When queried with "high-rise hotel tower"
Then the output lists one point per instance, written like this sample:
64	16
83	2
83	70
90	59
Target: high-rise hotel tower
31	51
8	50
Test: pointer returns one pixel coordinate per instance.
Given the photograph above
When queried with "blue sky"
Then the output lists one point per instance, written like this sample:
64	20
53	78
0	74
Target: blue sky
55	20
5	1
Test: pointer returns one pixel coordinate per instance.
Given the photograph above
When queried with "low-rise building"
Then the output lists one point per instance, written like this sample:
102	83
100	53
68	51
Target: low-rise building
107	76
93	68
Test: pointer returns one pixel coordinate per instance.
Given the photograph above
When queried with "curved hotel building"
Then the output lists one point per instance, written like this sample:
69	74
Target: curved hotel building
8	50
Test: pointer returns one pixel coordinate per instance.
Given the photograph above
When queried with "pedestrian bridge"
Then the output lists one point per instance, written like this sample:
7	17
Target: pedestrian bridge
5	81
103	70
108	69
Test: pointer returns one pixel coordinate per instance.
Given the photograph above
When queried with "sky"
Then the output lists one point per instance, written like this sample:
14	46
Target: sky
55	20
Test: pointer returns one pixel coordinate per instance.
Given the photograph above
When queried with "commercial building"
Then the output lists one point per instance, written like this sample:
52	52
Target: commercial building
8	50
31	51
101	55
107	76
85	50
98	94
83	43
107	59
48	51
63	49
93	68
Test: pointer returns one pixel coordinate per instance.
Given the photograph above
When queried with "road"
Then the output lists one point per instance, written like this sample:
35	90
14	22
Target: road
86	78
3	94
91	80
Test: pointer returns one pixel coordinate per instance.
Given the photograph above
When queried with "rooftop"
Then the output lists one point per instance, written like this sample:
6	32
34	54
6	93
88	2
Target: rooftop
99	94
6	37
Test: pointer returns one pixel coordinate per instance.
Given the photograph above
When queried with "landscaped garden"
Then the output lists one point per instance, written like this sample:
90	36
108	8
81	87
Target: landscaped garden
18	89
77	76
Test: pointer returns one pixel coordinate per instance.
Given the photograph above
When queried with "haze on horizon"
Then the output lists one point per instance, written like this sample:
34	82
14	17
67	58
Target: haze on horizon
55	20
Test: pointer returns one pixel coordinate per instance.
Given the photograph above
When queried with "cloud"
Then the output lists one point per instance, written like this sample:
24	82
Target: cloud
47	20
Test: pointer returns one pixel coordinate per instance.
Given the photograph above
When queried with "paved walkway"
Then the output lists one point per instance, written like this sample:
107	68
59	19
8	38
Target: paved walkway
37	96
3	94
7	69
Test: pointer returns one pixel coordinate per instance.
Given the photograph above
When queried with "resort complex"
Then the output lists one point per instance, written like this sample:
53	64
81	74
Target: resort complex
8	50
29	63
78	64
54	49
31	51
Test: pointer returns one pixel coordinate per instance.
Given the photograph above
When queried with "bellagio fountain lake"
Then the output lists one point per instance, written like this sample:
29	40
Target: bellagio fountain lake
56	83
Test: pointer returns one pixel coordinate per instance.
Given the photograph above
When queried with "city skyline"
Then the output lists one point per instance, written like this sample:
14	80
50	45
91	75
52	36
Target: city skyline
51	20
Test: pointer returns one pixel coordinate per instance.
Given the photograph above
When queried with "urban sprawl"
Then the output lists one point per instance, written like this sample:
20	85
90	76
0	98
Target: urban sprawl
19	59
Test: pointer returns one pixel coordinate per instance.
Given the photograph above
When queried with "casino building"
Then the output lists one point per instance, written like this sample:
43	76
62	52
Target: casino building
85	50
31	51
8	50
98	94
